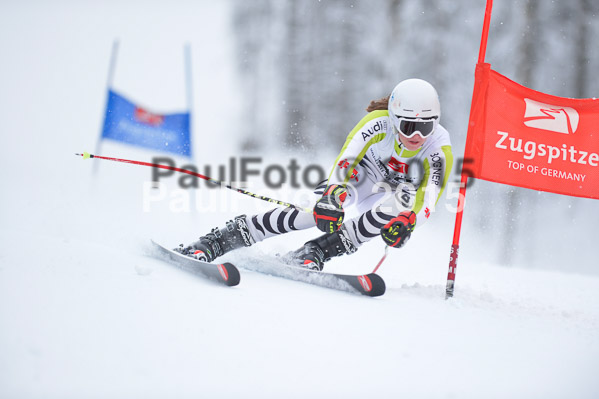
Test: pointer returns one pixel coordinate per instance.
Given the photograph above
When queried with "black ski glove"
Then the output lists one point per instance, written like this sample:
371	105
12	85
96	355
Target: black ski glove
328	211
399	229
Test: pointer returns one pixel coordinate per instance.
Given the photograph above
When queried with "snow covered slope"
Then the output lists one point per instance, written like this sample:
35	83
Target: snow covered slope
85	312
90	318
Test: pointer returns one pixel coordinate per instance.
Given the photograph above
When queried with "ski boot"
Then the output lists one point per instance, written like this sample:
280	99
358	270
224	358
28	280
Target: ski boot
218	242
315	252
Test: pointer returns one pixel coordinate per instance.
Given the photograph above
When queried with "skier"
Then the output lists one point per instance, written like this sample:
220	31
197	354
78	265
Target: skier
392	168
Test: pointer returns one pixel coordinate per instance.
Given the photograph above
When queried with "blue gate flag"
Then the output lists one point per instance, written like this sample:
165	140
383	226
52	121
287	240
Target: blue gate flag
132	124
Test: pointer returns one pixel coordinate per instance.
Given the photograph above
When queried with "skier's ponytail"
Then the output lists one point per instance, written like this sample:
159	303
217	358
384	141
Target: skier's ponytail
380	104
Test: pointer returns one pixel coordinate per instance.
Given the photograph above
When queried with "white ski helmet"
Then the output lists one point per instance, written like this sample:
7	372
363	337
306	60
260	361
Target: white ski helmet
414	108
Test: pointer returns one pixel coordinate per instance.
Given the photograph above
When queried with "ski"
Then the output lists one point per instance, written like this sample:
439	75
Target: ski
367	284
224	273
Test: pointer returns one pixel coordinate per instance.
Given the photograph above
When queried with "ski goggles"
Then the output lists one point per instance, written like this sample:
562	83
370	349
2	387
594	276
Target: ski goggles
411	126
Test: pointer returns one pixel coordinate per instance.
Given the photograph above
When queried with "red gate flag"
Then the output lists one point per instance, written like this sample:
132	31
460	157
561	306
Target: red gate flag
521	137
530	139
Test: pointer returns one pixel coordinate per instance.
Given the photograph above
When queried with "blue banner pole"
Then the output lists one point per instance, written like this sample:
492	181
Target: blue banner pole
189	94
111	69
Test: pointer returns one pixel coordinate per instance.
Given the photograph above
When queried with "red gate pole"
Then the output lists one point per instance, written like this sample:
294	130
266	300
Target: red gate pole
455	246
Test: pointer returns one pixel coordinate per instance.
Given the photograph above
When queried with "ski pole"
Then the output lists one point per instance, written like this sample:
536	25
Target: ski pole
382	259
87	155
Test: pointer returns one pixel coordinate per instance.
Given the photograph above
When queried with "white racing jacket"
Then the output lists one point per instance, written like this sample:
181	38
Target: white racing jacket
373	154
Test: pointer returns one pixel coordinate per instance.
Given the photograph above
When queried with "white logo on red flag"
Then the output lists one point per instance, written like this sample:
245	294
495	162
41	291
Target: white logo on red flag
553	118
